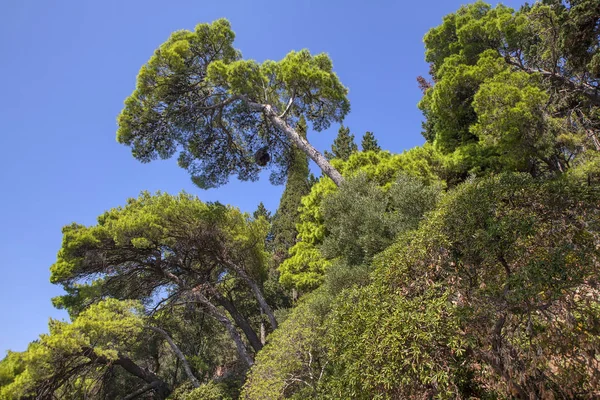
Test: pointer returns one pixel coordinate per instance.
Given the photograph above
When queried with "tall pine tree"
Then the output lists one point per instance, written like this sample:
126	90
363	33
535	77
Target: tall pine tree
369	143
343	145
298	185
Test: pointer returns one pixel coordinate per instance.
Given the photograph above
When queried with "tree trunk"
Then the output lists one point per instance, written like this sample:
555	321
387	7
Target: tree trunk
151	386
179	354
215	313
257	292
263	331
299	141
240	321
154	382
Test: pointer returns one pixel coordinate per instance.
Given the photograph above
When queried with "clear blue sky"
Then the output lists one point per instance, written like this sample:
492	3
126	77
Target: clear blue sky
67	66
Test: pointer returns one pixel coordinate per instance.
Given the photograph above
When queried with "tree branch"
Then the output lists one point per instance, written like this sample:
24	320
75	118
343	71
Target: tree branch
226	322
289	105
178	353
298	140
142	390
586	89
161	387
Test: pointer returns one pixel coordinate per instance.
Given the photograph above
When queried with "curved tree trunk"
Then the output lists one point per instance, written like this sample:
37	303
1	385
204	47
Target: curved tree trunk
179	354
155	383
219	316
240	321
256	291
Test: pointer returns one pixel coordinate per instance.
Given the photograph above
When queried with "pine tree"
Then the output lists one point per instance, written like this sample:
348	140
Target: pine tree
298	185
343	145
369	143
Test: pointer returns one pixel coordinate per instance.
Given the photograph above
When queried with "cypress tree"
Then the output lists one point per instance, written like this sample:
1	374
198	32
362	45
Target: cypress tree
369	143
343	145
298	185
261	211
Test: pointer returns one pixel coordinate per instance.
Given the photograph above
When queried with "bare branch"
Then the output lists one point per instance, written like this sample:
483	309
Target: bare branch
289	105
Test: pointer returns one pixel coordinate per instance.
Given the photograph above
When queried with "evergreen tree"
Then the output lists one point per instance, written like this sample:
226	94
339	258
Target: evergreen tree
197	97
514	90
343	145
369	143
298	185
261	211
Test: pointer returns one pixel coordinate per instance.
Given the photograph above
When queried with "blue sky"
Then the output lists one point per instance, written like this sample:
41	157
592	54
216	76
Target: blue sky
67	66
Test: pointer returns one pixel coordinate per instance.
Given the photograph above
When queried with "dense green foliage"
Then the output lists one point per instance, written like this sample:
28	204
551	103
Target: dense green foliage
297	186
294	361
343	145
514	90
362	202
369	143
77	360
492	293
198	97
465	268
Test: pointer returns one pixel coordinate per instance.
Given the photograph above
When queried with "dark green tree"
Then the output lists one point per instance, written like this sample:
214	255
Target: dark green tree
297	185
493	296
343	145
226	115
369	143
261	211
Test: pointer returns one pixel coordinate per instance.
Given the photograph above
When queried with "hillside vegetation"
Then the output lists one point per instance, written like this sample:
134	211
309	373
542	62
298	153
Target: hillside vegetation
468	267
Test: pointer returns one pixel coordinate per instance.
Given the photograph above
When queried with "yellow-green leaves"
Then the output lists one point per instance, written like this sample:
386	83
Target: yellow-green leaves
513	90
306	266
133	248
242	77
294	360
106	330
511	119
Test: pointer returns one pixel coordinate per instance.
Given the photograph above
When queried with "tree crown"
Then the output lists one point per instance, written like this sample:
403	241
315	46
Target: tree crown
198	97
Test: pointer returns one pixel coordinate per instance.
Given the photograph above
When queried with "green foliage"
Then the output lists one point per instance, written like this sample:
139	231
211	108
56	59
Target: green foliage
261	211
168	251
10	367
343	145
293	362
463	268
305	267
153	231
319	95
362	219
197	96
369	143
207	391
496	283
297	185
389	346
507	92
73	356
510	107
